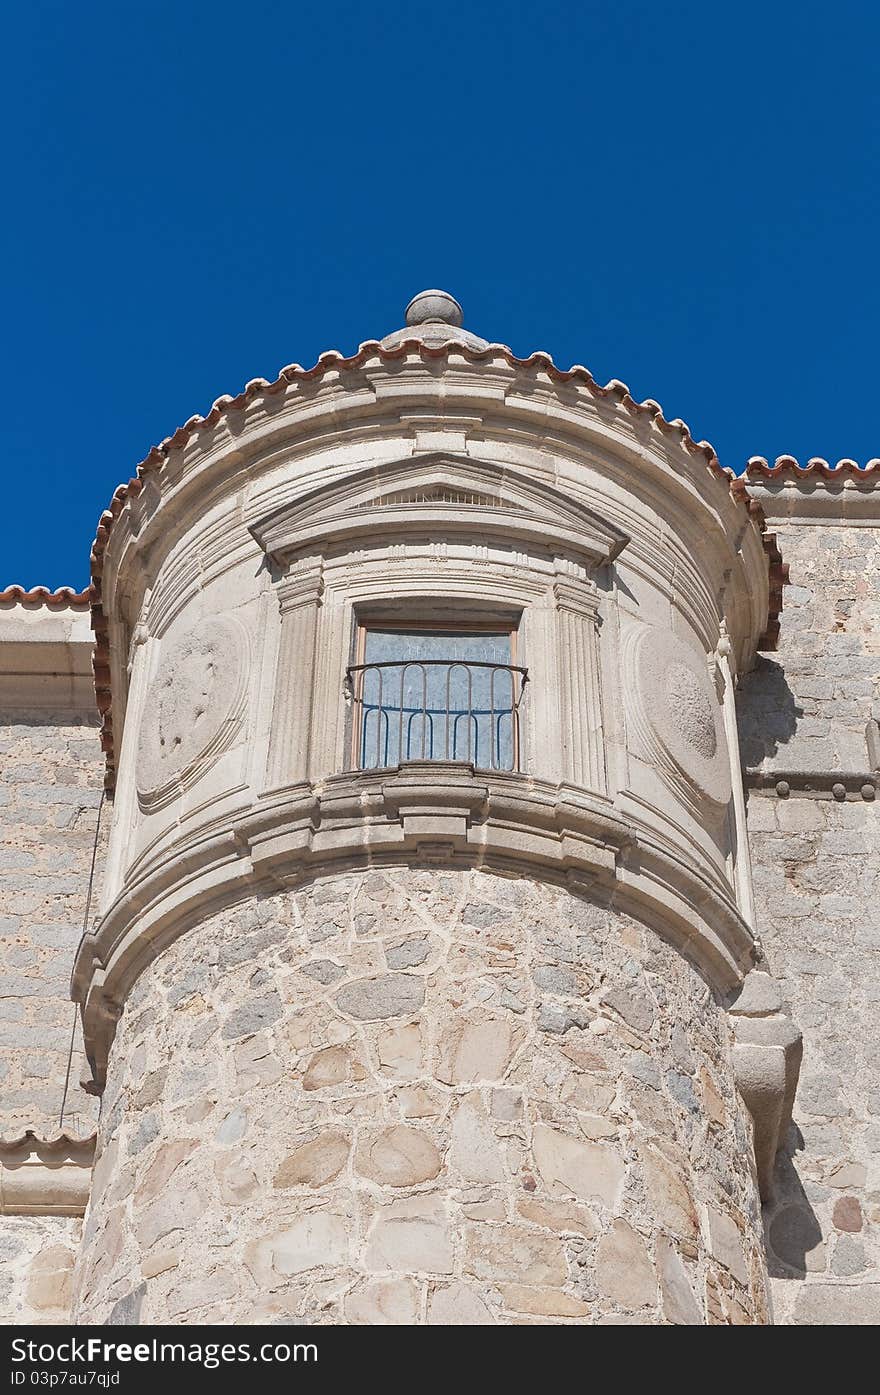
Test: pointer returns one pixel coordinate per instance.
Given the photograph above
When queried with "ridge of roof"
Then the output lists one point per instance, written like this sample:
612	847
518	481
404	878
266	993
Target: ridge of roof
373	349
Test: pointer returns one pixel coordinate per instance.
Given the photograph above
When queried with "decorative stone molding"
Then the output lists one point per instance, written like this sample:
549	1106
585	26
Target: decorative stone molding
45	1176
429	811
436	494
766	1062
299	599
839	785
194	707
742	862
434	536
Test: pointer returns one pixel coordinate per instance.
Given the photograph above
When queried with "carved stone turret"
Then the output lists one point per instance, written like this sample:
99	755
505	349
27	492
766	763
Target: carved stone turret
426	887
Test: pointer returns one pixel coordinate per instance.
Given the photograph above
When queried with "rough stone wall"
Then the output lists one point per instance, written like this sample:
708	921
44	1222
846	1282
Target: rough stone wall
434	1096
50	782
37	1254
807	704
817	882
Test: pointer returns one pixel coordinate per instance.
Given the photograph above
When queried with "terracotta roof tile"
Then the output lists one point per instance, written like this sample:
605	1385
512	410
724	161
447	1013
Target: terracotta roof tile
759	468
41	595
59	1145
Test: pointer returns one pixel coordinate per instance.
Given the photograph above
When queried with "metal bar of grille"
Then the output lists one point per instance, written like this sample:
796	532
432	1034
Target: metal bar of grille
405	726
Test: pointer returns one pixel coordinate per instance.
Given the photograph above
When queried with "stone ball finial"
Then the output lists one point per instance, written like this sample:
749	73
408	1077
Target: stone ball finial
434	307
434	318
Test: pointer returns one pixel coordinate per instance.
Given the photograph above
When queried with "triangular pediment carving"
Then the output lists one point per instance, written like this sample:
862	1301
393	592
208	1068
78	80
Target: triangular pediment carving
441	494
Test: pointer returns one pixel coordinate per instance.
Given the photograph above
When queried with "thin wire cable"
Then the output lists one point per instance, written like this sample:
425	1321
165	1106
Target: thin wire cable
81	938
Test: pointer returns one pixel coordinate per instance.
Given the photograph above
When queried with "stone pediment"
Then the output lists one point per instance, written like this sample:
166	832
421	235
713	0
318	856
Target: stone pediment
439	494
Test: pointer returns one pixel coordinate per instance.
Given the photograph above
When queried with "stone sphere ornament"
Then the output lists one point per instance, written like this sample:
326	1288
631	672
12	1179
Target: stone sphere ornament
434	318
434	306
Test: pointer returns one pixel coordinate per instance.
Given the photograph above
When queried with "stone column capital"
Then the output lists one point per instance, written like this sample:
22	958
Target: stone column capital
579	597
302	585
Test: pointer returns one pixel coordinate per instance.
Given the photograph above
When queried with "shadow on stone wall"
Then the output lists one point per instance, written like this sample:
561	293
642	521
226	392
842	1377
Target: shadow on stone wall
792	1229
767	712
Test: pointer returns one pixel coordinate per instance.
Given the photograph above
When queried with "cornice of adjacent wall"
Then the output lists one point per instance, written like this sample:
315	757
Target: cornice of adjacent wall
47	648
818	493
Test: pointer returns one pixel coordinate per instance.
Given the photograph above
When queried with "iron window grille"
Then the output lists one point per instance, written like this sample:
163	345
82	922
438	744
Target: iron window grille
436	709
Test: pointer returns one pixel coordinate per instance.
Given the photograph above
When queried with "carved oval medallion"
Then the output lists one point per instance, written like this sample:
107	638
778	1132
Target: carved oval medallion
690	705
683	712
193	707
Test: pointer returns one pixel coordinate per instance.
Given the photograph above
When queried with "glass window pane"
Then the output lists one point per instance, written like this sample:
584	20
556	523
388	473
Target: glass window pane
437	695
383	646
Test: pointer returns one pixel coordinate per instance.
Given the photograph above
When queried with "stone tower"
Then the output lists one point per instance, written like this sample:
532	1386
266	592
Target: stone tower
440	930
425	985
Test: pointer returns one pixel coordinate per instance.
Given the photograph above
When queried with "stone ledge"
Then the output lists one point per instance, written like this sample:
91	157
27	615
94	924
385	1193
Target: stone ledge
823	784
840	785
431	812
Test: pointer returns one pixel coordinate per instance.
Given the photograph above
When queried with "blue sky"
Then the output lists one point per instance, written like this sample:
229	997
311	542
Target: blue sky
684	196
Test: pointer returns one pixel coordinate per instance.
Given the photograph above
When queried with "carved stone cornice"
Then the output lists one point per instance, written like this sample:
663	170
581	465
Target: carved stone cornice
430	811
47	655
818	493
45	1176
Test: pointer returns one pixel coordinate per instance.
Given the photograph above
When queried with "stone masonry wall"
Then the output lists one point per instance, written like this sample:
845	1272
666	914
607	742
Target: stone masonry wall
37	1255
51	772
412	1096
817	881
807	704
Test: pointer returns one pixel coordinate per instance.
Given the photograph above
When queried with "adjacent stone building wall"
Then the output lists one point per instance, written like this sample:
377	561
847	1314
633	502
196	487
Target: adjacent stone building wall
807	704
51	776
817	881
50	788
411	1096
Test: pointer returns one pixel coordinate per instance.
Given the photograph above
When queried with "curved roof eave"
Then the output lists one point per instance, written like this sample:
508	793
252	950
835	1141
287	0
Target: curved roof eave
373	349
